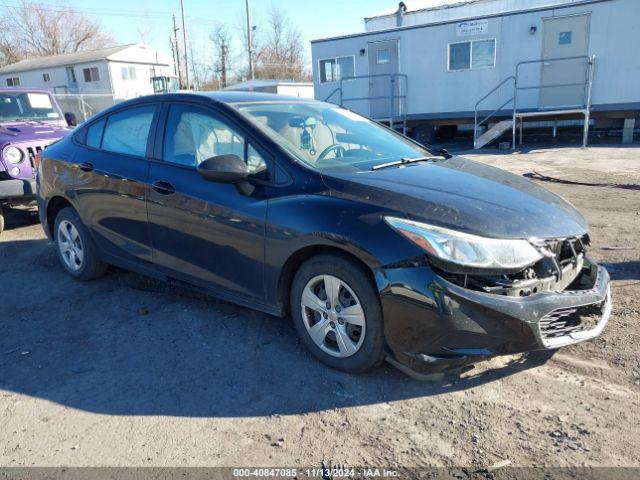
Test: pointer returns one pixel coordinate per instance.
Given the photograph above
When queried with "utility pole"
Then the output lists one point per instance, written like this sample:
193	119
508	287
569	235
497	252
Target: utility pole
249	41
223	64
176	51
184	40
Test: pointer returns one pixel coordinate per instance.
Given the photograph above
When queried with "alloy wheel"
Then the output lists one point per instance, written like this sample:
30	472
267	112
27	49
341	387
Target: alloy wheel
70	245
333	316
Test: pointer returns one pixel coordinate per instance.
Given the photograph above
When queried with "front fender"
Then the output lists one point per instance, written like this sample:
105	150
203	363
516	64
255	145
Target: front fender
321	220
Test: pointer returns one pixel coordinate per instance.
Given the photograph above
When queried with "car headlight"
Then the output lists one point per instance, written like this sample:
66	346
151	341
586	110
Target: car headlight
12	155
465	249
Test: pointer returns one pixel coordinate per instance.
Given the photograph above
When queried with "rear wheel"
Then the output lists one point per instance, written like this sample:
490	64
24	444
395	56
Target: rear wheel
76	249
337	314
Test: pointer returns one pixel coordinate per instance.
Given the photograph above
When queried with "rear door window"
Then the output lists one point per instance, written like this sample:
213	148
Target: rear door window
127	132
94	134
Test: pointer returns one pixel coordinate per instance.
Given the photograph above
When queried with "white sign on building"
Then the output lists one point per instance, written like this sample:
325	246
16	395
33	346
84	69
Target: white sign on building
473	27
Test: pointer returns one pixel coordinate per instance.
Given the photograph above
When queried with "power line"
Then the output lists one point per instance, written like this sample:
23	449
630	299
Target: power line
153	14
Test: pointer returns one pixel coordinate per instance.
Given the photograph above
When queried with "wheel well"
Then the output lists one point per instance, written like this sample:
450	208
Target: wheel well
294	262
55	205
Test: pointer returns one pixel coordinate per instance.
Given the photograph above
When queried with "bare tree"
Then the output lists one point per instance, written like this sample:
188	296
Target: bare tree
280	53
200	67
39	29
221	39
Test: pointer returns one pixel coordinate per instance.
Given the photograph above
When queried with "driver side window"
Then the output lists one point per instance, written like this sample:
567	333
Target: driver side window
195	134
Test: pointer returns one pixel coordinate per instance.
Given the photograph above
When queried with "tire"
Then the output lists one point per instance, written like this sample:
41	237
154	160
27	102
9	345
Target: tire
424	134
352	345
77	251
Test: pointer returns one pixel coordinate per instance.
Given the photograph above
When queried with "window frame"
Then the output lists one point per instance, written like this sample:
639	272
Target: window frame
90	70
129	69
80	138
238	127
11	81
471	43
335	59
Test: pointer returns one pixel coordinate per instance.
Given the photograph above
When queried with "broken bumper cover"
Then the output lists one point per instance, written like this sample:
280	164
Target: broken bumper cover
16	188
432	325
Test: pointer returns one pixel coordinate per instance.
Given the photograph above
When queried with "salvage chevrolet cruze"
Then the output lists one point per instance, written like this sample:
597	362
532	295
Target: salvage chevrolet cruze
376	247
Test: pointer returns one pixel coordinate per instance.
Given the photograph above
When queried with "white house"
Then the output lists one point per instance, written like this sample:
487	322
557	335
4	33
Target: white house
123	71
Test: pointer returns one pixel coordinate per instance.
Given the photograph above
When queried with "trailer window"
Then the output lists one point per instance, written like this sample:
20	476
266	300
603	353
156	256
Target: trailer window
333	69
472	55
460	56
483	54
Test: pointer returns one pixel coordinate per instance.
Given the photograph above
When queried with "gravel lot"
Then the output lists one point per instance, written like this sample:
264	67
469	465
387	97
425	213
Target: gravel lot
124	371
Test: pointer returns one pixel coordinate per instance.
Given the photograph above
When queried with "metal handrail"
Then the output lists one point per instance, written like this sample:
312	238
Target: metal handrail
588	85
476	124
394	78
495	111
587	98
336	90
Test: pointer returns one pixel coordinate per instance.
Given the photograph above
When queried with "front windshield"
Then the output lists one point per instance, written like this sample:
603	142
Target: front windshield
27	106
328	137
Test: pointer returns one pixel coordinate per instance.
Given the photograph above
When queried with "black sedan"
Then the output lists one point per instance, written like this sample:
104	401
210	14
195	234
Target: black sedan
376	247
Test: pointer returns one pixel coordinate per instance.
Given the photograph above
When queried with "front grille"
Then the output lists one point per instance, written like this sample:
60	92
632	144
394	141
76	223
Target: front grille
32	151
564	321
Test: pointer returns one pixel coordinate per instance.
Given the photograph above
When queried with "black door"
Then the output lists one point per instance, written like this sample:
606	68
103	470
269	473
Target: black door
112	181
207	231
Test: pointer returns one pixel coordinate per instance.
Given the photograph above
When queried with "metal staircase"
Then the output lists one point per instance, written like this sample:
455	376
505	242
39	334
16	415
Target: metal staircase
505	119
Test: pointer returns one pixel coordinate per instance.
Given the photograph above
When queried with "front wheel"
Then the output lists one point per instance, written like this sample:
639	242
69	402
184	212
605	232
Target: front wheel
337	314
76	249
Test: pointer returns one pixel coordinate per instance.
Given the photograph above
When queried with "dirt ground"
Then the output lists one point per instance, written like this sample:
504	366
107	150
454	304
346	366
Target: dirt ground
124	371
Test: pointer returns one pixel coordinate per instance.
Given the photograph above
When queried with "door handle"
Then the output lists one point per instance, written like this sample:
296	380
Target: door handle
86	167
163	188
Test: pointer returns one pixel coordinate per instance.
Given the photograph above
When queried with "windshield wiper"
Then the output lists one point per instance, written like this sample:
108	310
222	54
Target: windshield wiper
403	161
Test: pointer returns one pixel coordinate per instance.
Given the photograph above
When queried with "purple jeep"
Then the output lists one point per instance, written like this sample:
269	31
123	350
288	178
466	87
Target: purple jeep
30	120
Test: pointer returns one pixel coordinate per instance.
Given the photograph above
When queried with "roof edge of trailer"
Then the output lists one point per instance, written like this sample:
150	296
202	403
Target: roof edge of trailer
390	12
556	6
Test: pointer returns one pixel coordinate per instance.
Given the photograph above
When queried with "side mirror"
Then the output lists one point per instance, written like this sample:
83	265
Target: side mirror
224	169
71	119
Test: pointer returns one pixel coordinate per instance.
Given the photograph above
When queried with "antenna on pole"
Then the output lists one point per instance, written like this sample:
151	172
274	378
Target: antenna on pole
184	40
249	41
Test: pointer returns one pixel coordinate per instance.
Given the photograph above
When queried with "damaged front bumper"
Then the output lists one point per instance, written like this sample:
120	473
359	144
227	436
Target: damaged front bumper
432	324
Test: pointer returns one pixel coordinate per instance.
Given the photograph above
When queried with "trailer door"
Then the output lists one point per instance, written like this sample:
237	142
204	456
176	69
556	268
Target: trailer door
383	61
565	37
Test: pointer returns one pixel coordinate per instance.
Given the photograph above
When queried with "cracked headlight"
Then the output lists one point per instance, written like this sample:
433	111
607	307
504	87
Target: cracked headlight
465	249
12	155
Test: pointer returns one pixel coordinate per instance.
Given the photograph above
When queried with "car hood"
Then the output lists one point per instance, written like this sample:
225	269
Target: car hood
26	131
463	195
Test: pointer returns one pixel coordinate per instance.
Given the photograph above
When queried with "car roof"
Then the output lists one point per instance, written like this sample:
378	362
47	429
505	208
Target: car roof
227	97
230	98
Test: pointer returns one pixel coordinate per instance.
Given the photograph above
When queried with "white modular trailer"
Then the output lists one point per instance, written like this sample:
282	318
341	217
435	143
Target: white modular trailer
279	87
445	58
